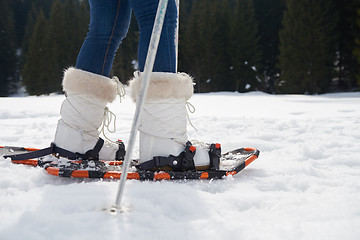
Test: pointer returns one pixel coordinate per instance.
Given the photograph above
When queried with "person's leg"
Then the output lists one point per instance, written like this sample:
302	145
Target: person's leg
88	88
109	23
145	12
164	118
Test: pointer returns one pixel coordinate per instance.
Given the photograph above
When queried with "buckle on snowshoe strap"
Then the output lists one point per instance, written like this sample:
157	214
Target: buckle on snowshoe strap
120	153
214	155
183	162
93	154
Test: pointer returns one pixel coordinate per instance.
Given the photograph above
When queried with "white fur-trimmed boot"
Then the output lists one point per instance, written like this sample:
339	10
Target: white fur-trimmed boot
83	111
163	134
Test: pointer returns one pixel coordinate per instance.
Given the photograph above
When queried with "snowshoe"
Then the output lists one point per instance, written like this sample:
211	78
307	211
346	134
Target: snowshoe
53	160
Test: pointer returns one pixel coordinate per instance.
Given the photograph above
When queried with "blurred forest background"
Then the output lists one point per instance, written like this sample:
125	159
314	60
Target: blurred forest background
274	46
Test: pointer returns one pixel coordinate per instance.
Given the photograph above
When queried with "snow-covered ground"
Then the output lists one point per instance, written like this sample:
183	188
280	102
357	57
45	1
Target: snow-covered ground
305	184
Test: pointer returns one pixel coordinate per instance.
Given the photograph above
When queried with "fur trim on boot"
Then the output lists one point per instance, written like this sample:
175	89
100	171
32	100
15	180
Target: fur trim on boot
164	85
89	84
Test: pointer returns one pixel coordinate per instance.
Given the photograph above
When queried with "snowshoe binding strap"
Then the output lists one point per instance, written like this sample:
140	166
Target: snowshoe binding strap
120	153
53	149
183	162
215	154
92	154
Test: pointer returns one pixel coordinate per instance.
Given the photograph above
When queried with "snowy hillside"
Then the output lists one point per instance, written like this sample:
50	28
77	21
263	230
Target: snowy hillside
305	184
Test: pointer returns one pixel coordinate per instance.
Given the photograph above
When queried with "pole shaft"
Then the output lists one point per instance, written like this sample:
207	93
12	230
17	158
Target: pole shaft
149	64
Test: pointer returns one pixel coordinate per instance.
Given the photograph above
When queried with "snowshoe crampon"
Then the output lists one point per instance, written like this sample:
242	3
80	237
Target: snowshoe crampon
231	163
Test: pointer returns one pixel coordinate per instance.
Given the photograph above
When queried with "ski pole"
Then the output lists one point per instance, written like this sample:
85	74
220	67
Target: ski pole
149	64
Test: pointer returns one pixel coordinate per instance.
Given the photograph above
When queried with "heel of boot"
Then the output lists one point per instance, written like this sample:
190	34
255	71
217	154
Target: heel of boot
77	141
68	138
151	146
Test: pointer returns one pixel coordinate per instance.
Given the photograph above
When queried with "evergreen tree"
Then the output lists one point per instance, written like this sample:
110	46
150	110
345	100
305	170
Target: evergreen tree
58	43
357	47
203	44
84	19
7	48
244	49
35	79
43	5
30	10
185	9
307	46
346	62
76	25
19	9
67	30
269	14
28	31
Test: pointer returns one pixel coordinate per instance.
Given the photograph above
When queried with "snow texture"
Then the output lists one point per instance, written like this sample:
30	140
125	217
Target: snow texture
305	185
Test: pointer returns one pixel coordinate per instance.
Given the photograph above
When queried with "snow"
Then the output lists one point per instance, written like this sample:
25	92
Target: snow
305	184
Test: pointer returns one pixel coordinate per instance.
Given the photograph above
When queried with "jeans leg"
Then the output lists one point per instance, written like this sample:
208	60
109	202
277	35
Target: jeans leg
109	23
145	12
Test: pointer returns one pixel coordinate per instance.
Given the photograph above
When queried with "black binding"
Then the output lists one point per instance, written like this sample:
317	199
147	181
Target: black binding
215	154
53	149
92	154
183	162
120	154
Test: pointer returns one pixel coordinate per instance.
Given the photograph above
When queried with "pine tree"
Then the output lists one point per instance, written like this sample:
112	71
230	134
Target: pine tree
357	47
58	42
29	29
19	9
346	63
35	79
31	9
307	47
84	19
244	49
67	30
203	44
44	5
269	14
185	9
76	24
7	48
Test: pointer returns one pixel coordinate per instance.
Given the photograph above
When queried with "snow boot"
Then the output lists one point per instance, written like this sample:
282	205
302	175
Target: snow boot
163	133
83	112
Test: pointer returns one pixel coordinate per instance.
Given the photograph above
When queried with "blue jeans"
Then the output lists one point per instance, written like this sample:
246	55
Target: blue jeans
109	23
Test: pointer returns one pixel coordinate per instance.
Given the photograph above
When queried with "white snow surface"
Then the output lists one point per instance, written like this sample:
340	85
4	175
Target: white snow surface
305	184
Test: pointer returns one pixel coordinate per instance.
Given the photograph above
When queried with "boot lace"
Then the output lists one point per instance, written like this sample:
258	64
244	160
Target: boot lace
109	119
191	109
120	87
